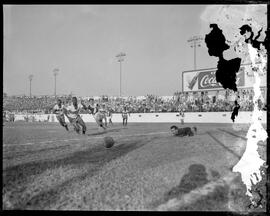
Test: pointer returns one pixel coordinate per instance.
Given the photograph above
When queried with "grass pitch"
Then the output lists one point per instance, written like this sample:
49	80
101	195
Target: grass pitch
48	168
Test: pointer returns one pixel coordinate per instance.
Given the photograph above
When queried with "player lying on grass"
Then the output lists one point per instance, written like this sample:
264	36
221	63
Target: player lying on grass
186	131
58	109
72	112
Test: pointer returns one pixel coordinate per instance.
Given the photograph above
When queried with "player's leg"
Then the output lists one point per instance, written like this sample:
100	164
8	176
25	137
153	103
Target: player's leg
99	122
76	127
182	120
126	121
110	121
105	119
81	122
61	119
232	117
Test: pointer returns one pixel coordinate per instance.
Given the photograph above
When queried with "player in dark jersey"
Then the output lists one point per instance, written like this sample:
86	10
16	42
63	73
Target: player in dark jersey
235	110
58	109
186	131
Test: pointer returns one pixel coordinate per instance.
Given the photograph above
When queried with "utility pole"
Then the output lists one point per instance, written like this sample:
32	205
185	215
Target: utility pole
30	77
120	58
195	41
55	73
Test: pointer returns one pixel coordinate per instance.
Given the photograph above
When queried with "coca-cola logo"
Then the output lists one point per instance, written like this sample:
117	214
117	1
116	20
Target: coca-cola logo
208	80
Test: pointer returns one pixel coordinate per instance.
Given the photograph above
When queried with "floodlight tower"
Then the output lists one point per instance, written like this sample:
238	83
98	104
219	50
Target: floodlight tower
55	73
30	77
195	42
120	58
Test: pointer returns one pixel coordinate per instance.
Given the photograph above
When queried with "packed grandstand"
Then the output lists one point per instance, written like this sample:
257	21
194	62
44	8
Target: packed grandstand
212	101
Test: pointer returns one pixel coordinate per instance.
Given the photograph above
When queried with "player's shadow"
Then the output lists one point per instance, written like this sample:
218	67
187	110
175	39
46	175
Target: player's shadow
195	177
16	177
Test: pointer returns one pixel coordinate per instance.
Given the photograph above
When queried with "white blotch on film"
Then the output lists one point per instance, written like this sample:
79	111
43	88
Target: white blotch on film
230	18
250	163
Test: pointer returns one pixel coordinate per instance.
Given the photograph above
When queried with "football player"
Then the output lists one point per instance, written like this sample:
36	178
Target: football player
186	131
58	109
72	112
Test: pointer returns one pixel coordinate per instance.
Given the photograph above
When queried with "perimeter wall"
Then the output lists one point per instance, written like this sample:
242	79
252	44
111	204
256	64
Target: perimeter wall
192	117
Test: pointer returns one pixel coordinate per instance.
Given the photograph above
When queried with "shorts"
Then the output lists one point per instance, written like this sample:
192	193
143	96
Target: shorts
60	118
74	120
99	117
185	132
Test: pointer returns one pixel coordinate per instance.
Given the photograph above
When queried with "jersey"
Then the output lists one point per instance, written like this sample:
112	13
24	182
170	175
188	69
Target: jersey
91	108
235	111
101	113
124	114
184	132
75	111
181	111
58	110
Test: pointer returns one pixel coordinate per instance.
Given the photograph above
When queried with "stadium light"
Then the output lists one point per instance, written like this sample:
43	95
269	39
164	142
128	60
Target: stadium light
30	77
195	41
120	58
55	73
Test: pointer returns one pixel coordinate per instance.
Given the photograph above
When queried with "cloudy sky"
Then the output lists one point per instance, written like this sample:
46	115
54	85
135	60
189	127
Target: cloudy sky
83	40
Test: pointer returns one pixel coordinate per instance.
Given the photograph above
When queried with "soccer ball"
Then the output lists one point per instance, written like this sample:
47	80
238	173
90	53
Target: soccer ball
108	142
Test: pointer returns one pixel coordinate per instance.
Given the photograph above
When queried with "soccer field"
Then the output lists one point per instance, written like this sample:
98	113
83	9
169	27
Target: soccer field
46	167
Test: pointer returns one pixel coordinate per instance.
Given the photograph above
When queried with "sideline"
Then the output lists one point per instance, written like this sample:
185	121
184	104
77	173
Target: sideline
243	138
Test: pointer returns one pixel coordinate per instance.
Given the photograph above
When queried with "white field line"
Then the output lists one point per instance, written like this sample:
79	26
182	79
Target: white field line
90	138
194	195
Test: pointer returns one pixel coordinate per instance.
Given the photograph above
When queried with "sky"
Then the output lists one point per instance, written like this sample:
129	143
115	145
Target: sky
82	41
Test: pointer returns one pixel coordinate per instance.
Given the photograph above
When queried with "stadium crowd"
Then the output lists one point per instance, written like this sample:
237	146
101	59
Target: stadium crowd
190	102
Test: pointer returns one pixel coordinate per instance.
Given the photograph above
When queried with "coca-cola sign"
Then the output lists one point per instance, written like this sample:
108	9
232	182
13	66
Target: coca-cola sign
207	80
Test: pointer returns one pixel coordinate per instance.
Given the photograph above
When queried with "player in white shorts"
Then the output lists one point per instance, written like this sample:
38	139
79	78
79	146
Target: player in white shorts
99	116
58	109
72	112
